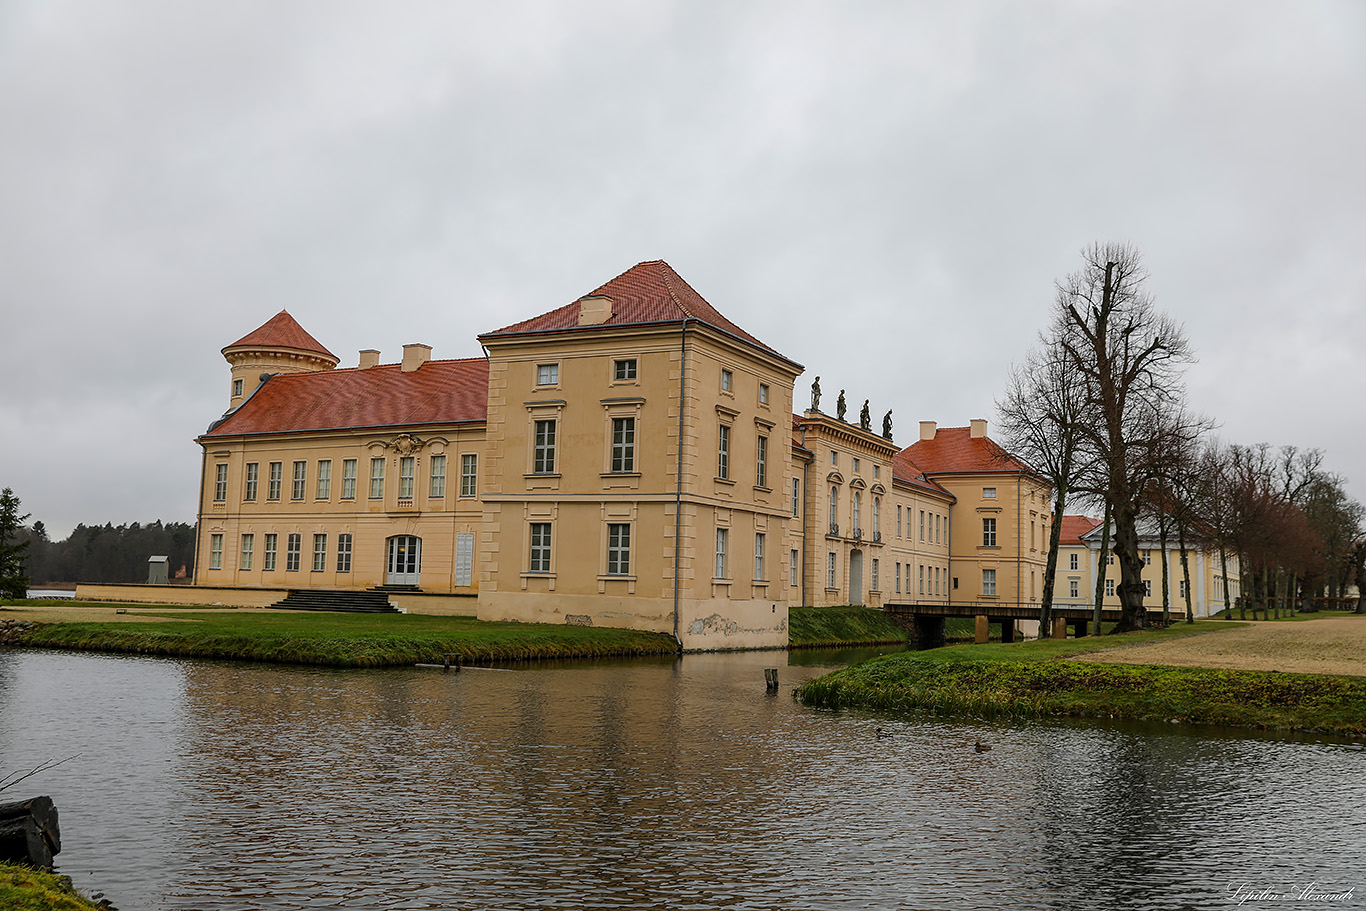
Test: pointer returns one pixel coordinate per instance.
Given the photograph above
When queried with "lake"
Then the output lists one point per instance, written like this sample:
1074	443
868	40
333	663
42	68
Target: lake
646	784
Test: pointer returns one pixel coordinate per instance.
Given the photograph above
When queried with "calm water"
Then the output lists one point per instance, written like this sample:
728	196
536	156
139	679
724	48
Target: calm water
645	784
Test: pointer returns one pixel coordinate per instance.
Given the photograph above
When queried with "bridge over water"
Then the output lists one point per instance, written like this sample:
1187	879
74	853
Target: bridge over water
925	619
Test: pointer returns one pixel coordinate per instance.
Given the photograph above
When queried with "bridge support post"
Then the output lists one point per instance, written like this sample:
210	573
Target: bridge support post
1059	627
1080	628
929	631
1007	629
982	629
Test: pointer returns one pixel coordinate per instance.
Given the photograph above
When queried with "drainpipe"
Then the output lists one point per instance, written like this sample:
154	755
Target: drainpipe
678	489
199	513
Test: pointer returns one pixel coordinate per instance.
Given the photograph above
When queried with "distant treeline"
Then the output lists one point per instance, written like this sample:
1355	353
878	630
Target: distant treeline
107	553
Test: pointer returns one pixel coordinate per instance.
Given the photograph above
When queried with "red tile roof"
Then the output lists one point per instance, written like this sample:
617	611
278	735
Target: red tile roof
281	331
953	449
905	469
649	292
438	392
1073	527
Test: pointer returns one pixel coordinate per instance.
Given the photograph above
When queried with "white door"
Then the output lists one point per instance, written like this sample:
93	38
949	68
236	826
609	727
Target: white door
405	560
464	560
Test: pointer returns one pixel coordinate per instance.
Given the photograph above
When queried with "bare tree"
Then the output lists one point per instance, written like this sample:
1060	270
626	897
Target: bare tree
1039	418
1128	357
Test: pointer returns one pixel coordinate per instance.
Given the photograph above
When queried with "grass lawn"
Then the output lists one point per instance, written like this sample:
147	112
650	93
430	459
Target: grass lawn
341	640
1033	679
26	889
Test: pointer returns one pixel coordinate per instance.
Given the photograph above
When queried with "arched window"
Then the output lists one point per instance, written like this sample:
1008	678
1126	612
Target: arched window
858	502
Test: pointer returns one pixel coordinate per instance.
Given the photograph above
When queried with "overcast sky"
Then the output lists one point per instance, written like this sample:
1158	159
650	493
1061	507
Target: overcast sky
884	192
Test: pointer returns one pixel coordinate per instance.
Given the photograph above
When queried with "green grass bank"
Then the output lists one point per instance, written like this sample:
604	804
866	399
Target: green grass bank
25	889
822	627
1034	679
345	640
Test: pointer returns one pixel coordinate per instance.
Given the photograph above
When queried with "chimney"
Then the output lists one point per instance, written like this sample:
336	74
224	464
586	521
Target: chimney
927	429
369	357
414	356
594	309
978	428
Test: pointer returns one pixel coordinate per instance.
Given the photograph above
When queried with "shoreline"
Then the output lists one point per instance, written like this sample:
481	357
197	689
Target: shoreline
1099	678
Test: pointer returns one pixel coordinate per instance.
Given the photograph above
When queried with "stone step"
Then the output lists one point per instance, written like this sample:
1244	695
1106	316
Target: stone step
366	602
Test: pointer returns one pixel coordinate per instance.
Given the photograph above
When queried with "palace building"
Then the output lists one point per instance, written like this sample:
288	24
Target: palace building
631	458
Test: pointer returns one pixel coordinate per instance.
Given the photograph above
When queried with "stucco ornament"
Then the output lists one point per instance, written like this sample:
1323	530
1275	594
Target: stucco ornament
406	444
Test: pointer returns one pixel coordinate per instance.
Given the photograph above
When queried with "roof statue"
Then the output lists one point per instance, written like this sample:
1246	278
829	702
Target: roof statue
840	407
887	425
865	421
816	395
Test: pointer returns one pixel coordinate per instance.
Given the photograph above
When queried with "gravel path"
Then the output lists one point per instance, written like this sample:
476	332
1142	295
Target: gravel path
1332	646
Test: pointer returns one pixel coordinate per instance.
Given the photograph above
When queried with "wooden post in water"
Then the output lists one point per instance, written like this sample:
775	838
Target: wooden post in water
450	662
771	679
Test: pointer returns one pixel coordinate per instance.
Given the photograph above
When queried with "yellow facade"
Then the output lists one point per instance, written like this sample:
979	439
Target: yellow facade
632	459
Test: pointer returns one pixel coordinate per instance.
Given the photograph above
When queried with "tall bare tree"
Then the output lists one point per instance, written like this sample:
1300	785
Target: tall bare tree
1039	418
1129	358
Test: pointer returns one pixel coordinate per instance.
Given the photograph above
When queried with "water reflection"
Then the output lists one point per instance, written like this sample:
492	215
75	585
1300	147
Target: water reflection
655	783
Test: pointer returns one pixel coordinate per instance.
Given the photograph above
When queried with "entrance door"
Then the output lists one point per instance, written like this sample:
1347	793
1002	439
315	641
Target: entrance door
856	577
405	560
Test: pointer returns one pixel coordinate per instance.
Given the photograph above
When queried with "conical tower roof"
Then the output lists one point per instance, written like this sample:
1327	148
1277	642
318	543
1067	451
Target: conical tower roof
282	331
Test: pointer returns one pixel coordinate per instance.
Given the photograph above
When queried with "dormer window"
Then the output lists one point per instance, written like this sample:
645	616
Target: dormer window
547	374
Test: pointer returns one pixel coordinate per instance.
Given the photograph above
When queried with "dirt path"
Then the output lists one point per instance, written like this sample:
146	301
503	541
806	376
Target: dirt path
1333	646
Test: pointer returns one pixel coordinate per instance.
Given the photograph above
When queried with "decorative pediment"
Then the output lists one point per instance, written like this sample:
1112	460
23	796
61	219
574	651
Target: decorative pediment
878	489
858	484
835	477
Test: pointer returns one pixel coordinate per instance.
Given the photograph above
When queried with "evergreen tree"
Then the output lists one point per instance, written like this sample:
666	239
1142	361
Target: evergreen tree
13	571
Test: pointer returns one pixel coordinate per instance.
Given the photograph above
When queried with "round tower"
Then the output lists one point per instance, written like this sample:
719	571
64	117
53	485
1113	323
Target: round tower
280	346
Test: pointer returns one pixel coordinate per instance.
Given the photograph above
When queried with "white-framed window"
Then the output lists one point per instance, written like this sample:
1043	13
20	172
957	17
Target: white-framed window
988	532
1073	588
1181	588
324	479
721	535
277	474
727	380
624	370
540	548
269	559
297	490
877	515
898	578
623	445
830	570
547	374
989	582
898	521
875	585
877	472
855	464
436	486
348	479
377	479
319	553
760	467
1147	588
922	524
937	571
938	525
293	547
1109	588
215	551
857	502
723	451
1110	559
1147	558
343	553
759	575
834	506
253	477
469	464
922	578
407	467
834	458
543	455
220	482
796	497
618	549
988	493
236	388
1073	562
248	550
794	569
763	393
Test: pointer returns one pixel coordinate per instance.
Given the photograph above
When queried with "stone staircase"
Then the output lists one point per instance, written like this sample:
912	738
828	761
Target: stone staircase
354	602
